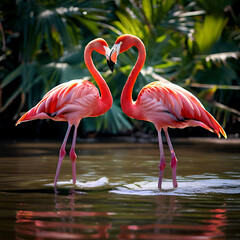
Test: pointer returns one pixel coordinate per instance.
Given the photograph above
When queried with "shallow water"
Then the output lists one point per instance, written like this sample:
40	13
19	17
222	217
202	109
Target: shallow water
116	195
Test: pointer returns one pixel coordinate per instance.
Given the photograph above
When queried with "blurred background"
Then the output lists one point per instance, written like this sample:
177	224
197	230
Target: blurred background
194	44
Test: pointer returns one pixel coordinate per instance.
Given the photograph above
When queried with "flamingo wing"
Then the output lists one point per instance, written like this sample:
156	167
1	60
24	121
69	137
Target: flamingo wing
73	99
169	105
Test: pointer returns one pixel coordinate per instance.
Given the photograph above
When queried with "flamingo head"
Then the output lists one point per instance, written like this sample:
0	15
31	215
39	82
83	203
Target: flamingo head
122	44
101	46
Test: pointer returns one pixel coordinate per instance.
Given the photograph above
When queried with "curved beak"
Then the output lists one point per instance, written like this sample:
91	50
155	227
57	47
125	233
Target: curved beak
111	64
112	60
108	57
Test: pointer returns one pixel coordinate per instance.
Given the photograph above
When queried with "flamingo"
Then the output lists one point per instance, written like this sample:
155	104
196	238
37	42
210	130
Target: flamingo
164	104
71	101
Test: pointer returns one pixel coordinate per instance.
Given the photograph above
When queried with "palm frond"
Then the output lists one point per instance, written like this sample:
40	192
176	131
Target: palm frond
113	122
222	57
207	33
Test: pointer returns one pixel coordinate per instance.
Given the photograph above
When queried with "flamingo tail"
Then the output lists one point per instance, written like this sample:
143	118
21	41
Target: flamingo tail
213	125
32	115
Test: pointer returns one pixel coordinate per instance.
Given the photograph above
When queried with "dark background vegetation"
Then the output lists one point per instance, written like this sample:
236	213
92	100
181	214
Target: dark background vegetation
191	43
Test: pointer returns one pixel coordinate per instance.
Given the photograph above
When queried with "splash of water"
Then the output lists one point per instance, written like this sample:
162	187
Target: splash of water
102	183
186	187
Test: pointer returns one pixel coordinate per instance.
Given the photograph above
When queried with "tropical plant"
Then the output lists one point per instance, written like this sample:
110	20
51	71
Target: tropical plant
191	43
50	37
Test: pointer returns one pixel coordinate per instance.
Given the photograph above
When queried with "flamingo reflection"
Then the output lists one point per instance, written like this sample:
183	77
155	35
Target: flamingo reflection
211	228
217	222
74	220
62	223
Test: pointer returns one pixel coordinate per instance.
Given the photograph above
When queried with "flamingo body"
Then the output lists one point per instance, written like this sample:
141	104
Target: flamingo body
168	105
74	100
70	101
161	102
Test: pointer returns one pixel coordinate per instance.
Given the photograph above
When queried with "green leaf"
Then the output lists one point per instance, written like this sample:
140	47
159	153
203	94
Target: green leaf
222	57
207	94
209	32
147	6
11	98
161	38
11	76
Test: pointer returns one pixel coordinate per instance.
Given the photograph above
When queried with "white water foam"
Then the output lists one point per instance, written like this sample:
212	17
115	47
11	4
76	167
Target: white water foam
101	183
185	188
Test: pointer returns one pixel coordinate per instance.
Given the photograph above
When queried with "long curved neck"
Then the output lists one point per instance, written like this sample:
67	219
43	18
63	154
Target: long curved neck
129	107
106	96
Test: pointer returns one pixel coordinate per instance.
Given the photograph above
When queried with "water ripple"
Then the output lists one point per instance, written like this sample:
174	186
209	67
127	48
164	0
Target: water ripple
100	184
185	188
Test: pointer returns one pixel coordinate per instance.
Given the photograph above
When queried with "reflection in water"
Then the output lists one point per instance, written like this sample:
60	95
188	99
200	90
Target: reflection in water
79	221
62	223
217	222
167	230
124	202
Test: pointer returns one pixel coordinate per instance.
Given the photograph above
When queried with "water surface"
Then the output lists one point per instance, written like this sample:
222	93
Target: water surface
116	195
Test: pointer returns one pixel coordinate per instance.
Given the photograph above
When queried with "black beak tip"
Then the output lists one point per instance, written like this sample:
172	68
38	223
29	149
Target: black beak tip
110	65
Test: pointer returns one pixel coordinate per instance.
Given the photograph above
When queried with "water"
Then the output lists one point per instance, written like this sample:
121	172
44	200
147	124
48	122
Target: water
116	195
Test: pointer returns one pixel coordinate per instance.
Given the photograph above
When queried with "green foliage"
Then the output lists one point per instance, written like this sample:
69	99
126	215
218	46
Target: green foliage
208	32
214	7
191	43
112	122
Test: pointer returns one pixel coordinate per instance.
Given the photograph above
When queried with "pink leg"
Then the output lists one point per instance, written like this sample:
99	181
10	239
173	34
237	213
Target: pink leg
174	159
73	155
62	153
162	160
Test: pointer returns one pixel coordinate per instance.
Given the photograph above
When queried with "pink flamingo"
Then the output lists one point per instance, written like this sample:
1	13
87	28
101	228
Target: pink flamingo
74	100
161	102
